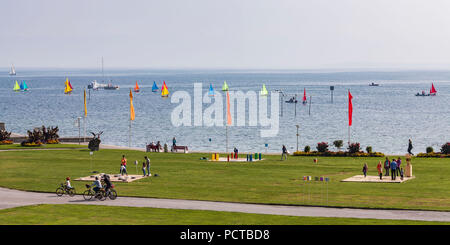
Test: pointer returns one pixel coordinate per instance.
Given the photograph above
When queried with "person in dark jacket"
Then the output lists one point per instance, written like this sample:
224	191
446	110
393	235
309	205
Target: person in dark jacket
284	154
365	169
410	146
387	165
393	169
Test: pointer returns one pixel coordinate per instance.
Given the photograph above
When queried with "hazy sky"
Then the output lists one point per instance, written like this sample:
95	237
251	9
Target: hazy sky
297	34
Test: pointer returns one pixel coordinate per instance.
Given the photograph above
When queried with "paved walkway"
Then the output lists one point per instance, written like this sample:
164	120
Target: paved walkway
13	198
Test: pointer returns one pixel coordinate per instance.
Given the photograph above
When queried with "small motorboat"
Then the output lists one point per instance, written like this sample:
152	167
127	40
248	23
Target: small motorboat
110	86
291	100
374	84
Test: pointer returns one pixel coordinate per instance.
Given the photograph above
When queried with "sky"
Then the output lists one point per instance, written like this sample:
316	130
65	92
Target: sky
231	34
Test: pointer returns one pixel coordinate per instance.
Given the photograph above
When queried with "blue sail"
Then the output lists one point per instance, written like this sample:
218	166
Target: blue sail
155	87
211	90
21	85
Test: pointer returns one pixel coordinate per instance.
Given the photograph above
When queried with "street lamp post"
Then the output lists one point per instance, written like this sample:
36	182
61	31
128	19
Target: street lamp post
297	134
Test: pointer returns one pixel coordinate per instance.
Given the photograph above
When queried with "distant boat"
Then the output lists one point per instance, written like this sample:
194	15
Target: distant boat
110	86
12	72
136	88
96	86
155	87
68	89
211	90
374	84
264	91
225	86
23	86
432	90
304	97
16	87
164	90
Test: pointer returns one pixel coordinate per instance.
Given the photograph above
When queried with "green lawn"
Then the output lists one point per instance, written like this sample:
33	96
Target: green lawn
185	176
100	215
49	146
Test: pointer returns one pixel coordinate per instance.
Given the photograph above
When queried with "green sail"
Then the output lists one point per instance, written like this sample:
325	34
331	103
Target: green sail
225	86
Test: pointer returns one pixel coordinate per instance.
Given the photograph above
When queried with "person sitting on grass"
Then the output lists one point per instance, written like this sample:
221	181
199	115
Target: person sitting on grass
97	185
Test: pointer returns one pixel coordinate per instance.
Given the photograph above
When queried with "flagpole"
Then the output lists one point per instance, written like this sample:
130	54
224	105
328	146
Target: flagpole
226	132
129	135
84	122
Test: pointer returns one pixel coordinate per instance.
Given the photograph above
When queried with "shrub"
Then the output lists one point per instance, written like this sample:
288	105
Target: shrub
369	149
430	149
322	147
445	149
307	148
354	147
5	135
338	144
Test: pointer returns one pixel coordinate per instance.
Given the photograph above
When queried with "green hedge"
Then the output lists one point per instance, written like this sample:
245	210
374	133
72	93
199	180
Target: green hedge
433	154
338	154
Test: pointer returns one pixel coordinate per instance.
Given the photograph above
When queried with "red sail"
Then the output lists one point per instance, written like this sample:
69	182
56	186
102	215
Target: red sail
304	95
432	90
350	108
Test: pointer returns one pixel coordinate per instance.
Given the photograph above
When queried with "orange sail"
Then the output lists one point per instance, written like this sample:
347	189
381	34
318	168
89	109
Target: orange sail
136	88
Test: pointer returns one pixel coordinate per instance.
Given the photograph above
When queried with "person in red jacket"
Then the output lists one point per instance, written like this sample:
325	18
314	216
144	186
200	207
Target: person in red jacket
380	171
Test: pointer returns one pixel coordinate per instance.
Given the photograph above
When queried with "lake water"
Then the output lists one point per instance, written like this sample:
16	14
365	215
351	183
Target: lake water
384	117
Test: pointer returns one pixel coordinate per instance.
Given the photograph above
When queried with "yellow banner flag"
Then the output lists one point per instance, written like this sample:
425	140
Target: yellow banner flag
85	107
131	107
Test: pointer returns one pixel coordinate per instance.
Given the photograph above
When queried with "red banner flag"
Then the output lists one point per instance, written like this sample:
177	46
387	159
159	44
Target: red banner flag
350	108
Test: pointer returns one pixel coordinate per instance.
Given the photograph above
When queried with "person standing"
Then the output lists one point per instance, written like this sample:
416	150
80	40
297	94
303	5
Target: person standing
399	162
174	142
284	153
380	171
410	146
387	165
143	168
365	170
147	165
393	169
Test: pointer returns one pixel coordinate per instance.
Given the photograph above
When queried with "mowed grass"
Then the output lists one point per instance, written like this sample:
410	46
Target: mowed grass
185	176
101	215
46	146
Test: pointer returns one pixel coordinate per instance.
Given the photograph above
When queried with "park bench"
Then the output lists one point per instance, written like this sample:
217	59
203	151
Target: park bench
179	147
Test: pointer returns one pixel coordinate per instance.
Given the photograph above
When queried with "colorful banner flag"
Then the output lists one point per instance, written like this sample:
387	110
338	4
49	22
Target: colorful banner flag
350	108
228	110
85	107
131	107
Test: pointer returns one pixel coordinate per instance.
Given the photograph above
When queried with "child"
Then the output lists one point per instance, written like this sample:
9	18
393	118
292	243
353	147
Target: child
68	186
401	173
365	169
143	167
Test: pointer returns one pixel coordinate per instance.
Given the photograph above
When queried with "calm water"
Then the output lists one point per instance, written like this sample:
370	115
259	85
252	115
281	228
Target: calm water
384	117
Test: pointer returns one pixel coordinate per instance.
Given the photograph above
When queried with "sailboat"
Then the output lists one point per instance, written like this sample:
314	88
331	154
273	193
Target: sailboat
211	90
432	90
23	86
225	86
304	96
12	72
136	88
155	87
16	87
164	90
68	89
264	91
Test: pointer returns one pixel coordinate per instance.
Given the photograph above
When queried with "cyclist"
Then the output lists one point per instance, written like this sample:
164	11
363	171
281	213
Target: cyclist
68	185
107	182
97	184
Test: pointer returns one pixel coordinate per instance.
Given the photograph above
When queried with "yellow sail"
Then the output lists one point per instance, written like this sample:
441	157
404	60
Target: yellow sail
164	90
68	88
16	86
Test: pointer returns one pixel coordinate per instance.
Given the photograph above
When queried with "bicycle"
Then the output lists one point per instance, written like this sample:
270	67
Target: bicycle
111	193
63	189
90	193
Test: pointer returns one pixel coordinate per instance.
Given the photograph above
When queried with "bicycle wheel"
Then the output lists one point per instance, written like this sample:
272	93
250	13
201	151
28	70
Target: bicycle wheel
87	195
71	192
112	194
100	195
60	191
